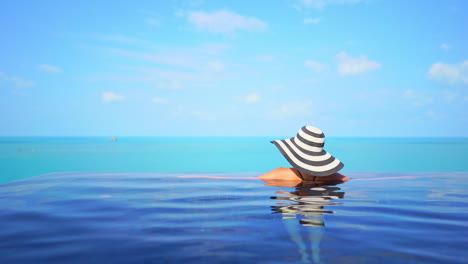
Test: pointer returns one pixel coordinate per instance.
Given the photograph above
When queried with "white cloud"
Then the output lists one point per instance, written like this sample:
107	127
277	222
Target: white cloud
416	99
159	100
433	115
319	4
292	109
348	65
152	21
408	94
195	59
449	96
171	84
196	2
251	98
216	66
225	22
21	83
120	39
445	46
174	67
312	20
50	68
16	81
315	66
213	48
450	73
111	97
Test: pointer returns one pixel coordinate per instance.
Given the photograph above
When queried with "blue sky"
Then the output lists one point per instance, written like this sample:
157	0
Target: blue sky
234	68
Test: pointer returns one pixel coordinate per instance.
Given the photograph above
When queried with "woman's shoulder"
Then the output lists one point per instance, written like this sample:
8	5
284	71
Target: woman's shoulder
281	173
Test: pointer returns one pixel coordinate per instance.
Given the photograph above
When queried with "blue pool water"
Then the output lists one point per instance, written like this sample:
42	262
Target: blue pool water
23	157
116	217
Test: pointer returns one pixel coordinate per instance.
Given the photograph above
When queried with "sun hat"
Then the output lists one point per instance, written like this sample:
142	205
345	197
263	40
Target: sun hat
305	152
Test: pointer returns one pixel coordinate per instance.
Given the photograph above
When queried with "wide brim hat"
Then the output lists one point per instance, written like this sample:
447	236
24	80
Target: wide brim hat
306	154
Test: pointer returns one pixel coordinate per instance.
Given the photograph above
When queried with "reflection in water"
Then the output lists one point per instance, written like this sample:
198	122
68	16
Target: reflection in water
307	208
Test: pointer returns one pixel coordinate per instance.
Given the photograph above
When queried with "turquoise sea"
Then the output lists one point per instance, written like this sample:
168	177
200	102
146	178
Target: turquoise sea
91	200
23	157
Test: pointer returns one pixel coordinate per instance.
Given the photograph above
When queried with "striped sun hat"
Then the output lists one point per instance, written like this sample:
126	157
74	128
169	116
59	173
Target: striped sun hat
305	152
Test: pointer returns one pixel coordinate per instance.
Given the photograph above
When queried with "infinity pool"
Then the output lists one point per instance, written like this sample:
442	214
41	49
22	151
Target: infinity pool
139	217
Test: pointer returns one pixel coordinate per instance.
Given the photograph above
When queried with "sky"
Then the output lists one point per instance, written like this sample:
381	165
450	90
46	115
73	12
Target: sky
234	68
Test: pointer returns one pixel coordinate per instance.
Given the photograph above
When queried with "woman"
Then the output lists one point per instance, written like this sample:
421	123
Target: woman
310	162
312	165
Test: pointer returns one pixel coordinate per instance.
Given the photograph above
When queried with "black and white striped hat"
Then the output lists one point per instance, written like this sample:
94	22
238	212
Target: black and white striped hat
305	152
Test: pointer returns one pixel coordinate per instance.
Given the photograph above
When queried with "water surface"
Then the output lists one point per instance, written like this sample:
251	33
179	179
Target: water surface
97	217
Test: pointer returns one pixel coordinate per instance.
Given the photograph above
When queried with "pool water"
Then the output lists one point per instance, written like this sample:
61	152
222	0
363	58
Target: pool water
98	217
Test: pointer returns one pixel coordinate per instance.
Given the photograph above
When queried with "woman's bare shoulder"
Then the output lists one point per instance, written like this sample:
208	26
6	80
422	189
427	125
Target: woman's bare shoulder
281	173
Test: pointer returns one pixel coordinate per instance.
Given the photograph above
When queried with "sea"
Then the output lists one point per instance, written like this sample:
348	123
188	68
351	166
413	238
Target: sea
93	200
23	157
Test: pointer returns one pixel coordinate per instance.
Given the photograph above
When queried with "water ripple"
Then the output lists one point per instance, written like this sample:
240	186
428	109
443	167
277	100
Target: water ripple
159	218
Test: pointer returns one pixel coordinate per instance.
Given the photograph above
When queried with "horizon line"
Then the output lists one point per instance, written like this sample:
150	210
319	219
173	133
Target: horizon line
172	136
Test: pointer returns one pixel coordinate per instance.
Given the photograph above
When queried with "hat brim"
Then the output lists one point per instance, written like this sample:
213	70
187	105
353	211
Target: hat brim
313	163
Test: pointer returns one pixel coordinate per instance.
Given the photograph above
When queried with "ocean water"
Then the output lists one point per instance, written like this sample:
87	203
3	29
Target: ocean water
143	217
23	157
